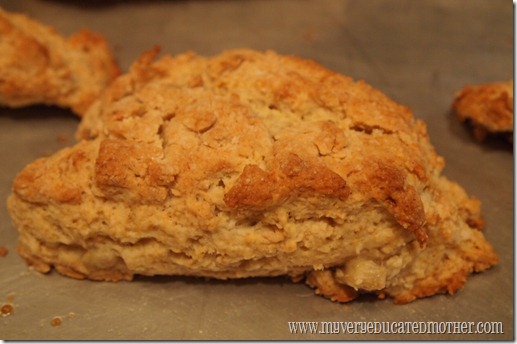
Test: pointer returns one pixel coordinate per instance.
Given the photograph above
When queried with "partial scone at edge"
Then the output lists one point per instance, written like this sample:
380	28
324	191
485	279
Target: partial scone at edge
251	164
488	108
39	66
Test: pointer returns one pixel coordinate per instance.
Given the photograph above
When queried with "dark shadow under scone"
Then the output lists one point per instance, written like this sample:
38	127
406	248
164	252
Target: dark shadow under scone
251	164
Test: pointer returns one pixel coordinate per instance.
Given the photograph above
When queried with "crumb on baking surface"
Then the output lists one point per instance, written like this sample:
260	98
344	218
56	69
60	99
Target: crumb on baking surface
7	309
62	138
309	35
3	251
56	321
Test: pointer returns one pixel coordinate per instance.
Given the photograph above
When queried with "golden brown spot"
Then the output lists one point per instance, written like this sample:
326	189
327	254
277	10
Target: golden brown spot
289	176
254	188
40	181
401	200
142	69
133	169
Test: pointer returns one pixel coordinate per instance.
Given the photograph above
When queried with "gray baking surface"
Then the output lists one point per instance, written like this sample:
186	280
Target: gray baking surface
420	53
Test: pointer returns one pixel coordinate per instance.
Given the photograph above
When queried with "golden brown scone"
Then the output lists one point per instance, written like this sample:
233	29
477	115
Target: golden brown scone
251	164
488	108
39	66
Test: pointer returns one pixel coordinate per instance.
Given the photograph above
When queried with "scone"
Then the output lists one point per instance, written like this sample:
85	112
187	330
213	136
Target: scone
251	164
488	108
39	66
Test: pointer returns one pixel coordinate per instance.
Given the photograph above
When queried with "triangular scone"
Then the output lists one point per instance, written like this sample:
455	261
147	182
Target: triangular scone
39	66
488	108
251	164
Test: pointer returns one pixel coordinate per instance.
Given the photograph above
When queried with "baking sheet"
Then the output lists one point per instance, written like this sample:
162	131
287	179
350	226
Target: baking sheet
417	52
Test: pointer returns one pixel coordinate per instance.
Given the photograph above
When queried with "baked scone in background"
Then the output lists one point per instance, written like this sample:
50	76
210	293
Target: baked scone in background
488	108
251	164
39	66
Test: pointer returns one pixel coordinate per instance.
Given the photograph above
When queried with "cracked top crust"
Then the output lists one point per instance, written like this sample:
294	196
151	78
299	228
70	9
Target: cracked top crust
276	126
39	66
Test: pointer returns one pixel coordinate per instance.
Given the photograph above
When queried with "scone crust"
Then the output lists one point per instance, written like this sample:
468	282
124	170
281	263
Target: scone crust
488	108
39	66
251	164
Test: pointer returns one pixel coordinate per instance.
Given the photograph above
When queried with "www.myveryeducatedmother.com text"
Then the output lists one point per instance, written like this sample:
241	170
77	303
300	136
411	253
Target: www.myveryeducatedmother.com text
395	327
